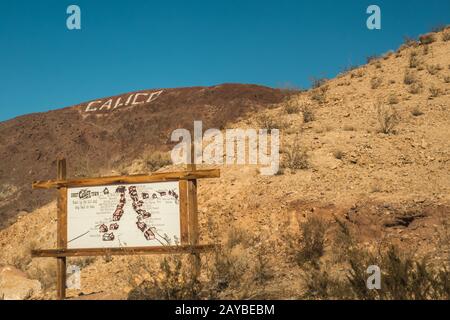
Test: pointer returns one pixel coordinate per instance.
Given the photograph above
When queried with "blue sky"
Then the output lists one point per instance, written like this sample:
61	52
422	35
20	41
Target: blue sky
131	45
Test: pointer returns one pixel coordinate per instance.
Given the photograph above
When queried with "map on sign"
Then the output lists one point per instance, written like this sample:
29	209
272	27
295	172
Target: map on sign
125	215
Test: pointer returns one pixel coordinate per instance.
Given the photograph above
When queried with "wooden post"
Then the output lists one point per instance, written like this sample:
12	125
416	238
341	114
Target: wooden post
193	214
61	231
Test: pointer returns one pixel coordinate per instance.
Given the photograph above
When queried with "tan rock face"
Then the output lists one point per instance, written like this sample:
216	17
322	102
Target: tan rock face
14	285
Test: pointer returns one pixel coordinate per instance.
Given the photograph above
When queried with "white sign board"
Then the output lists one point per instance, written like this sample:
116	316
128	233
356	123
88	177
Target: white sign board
126	215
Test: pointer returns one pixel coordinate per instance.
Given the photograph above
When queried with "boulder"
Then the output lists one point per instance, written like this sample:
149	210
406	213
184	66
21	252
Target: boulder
15	285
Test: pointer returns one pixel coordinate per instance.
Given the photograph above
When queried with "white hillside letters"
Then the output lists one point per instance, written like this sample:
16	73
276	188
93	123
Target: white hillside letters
114	103
242	146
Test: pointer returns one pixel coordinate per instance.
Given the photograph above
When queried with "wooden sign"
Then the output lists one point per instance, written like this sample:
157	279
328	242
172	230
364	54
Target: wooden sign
125	215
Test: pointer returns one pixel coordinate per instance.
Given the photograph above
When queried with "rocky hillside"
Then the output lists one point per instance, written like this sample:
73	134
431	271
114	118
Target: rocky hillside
369	148
108	132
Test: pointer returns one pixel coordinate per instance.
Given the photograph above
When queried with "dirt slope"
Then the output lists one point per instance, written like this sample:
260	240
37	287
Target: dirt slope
106	138
392	188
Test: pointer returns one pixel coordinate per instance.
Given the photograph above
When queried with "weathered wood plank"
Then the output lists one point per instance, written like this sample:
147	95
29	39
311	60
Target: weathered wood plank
119	251
184	213
156	177
61	231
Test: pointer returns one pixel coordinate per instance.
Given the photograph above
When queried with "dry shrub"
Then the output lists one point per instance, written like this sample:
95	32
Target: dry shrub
447	79
157	160
45	272
427	38
308	113
435	91
296	157
237	268
402	277
269	122
387	117
291	107
320	94
308	245
433	69
318	82
446	35
415	88
375	82
393	99
414	60
409	78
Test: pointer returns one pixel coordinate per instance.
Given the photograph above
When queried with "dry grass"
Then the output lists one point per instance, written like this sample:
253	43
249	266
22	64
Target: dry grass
156	160
238	268
393	99
433	69
387	117
375	82
308	113
295	157
402	277
415	88
320	94
414	60
446	35
435	91
409	78
269	122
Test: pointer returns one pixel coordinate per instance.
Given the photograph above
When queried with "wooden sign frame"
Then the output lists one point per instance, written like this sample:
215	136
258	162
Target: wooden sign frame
188	217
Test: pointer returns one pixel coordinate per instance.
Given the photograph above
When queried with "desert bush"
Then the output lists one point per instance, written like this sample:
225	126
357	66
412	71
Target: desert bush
268	122
320	94
402	278
427	38
447	79
237	268
446	35
295	157
409	78
372	58
45	272
375	82
433	69
358	73
415	88
387	117
393	99
414	60
318	82
157	160
410	42
435	91
291	107
308	246
308	113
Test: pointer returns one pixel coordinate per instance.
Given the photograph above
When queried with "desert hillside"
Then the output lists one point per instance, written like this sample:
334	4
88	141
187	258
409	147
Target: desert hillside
369	149
106	133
